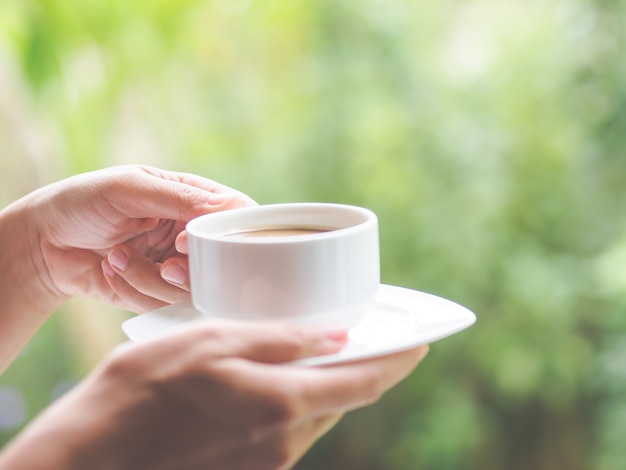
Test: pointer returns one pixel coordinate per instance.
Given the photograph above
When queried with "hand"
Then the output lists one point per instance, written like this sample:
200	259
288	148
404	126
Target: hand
216	395
92	226
75	236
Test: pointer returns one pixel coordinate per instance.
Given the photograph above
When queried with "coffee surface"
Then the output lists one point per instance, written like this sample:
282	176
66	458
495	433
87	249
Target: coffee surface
276	232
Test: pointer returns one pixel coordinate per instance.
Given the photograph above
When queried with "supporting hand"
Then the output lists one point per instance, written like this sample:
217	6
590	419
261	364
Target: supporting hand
218	395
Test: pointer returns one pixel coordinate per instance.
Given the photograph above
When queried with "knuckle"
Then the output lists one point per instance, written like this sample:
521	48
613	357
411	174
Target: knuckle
205	333
188	193
121	362
281	409
294	343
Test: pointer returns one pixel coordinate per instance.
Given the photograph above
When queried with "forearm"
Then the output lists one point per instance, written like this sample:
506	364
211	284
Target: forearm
71	434
27	300
38	449
108	421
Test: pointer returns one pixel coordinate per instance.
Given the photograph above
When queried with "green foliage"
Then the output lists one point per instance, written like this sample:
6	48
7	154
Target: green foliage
488	136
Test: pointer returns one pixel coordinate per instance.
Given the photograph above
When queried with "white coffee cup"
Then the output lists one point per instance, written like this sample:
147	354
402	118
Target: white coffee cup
243	264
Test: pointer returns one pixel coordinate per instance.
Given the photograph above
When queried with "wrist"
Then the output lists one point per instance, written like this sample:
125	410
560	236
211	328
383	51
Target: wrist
28	295
21	256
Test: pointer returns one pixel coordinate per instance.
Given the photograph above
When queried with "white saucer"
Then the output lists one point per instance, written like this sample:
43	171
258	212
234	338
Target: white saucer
398	319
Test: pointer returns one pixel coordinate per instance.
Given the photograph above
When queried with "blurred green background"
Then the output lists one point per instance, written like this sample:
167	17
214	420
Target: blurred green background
488	135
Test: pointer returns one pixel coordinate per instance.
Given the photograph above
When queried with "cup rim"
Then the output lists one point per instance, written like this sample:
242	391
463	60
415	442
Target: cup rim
238	215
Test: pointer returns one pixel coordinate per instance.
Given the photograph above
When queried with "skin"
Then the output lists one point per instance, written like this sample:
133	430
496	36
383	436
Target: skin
219	395
57	241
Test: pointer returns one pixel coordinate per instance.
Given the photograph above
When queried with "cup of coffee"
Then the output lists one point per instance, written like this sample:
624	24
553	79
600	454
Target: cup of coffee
308	262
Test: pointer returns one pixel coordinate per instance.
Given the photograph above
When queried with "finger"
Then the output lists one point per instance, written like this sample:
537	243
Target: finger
125	296
169	195
333	389
144	275
175	270
349	386
198	182
182	242
138	280
286	395
258	341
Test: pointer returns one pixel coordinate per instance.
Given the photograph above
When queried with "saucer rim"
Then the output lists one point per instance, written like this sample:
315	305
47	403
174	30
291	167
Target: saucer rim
463	320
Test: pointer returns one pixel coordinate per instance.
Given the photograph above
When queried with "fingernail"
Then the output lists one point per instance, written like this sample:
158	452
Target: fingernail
174	274
334	340
118	259
339	335
182	245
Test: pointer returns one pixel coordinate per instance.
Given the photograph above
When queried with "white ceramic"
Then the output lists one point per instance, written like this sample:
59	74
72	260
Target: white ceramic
322	277
396	320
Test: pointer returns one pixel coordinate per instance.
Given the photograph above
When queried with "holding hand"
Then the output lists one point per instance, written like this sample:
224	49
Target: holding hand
109	234
94	224
217	395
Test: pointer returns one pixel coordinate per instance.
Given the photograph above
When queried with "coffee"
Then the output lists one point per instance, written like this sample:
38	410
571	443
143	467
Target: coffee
276	232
